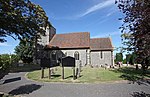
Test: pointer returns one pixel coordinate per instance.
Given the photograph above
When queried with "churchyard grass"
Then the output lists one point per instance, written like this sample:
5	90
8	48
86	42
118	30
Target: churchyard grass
89	75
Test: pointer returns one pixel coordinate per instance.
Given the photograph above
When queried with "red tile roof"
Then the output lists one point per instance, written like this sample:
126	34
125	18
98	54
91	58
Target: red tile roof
101	44
80	40
71	40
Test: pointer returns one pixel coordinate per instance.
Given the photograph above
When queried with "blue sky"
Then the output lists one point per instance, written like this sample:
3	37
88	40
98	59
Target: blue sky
99	17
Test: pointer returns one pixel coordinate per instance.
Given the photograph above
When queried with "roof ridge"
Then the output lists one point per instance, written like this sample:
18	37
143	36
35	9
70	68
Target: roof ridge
101	44
52	39
111	41
69	40
72	33
99	38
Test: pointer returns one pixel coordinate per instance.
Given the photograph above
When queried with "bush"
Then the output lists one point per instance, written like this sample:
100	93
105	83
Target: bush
6	62
131	58
124	61
14	59
119	57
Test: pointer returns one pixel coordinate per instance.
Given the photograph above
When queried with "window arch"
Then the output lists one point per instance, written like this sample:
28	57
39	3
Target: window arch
65	53
76	55
101	54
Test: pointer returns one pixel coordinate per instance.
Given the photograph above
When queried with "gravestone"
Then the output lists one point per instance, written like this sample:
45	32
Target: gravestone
78	68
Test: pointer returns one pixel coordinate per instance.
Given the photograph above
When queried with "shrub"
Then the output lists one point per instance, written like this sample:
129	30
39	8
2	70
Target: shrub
119	57
6	62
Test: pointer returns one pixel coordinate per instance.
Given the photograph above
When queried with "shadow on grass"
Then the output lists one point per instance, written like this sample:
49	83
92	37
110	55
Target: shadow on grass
131	74
26	89
140	94
56	75
71	76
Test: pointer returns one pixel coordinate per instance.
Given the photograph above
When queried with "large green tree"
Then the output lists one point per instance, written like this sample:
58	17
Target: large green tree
119	57
130	58
136	28
25	51
21	19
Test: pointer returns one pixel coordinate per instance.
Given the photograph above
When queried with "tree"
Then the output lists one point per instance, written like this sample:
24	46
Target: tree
25	51
128	58
4	61
124	61
21	19
136	28
131	58
4	64
119	57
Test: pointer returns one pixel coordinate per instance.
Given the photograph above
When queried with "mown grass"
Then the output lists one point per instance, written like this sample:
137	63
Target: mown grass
131	74
90	75
6	95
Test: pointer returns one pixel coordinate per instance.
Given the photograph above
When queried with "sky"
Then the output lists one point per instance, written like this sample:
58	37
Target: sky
99	17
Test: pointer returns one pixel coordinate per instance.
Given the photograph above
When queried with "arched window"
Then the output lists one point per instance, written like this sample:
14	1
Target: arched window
76	55
101	54
53	55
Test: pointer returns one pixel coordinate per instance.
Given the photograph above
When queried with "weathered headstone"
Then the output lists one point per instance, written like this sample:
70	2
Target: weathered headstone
78	68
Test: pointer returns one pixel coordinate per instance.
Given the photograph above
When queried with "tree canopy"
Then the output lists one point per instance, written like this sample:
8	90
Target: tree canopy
130	58
21	19
119	57
136	28
25	51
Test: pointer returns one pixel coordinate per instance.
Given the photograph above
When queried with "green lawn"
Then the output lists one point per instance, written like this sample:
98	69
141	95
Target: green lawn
89	75
6	95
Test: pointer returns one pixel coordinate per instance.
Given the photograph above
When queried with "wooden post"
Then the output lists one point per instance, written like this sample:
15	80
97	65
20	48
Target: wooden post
77	73
42	72
49	73
62	72
73	73
80	63
1	94
137	67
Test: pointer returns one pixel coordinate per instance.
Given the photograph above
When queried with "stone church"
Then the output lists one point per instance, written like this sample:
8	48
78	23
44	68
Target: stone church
86	50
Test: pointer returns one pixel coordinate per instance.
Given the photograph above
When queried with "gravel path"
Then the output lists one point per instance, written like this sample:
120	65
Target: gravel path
17	84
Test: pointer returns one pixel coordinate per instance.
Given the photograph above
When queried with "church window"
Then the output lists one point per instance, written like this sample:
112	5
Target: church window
76	55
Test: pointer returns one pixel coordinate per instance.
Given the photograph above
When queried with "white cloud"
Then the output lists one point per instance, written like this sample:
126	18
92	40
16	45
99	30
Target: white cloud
4	44
109	14
107	34
97	7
